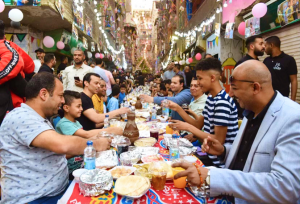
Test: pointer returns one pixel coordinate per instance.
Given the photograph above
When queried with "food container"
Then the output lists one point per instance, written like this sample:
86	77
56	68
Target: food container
132	187
95	182
120	140
159	171
152	158
145	142
119	171
146	150
184	142
77	173
106	159
129	158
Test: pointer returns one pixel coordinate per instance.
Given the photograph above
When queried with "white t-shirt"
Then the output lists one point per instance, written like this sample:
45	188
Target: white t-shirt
37	65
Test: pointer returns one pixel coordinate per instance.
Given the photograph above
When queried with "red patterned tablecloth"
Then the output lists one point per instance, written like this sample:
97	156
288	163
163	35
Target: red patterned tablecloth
169	195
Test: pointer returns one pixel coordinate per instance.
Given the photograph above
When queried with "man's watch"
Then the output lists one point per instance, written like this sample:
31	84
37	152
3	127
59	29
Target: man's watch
207	180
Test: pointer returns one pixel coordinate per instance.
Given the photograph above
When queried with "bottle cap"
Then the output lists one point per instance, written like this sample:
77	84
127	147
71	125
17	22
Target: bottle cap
126	120
89	142
107	116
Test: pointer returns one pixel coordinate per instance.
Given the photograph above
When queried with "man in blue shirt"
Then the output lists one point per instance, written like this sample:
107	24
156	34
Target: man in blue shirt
113	103
169	74
181	95
178	72
100	71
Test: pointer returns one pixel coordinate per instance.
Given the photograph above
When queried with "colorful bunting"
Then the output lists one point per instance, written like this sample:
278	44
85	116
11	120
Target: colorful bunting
21	36
9	37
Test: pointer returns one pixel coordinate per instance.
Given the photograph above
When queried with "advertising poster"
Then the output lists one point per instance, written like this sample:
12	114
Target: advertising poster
217	29
229	30
65	38
92	47
252	27
74	32
288	11
88	26
78	17
22	2
60	7
85	43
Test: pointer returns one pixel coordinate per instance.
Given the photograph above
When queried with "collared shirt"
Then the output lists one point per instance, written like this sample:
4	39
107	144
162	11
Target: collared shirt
169	74
45	68
98	103
250	133
28	172
101	73
70	72
281	68
244	59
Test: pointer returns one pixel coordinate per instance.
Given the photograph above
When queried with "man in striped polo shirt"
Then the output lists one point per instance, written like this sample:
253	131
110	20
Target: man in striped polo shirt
219	118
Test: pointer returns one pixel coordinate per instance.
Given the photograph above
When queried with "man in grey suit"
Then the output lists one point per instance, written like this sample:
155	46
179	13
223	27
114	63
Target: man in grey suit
263	163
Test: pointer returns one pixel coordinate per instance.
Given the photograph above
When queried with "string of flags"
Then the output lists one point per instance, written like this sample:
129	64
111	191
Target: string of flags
213	43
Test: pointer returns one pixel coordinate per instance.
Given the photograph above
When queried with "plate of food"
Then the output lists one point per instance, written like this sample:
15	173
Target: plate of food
132	186
119	171
145	142
152	158
142	170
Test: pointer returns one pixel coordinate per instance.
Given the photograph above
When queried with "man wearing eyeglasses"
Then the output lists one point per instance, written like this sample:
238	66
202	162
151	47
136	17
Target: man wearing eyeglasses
263	163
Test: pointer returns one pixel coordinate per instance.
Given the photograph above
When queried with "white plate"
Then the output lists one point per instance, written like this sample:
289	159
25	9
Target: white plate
127	167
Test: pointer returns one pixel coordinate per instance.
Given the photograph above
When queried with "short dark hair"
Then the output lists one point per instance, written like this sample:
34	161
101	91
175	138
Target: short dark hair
177	66
62	58
115	90
274	40
122	86
2	28
167	81
209	64
98	61
162	87
88	77
43	80
70	96
48	57
251	40
181	79
207	55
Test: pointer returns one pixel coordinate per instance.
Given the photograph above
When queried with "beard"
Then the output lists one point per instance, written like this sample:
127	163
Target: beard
258	52
79	62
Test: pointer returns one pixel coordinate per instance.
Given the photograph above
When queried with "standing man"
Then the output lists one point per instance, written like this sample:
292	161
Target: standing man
177	71
40	54
162	74
181	95
255	46
141	79
109	76
73	75
49	63
89	118
100	71
262	165
63	64
188	75
169	74
283	68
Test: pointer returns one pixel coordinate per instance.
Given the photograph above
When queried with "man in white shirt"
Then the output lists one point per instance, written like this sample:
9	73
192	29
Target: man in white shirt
73	75
40	54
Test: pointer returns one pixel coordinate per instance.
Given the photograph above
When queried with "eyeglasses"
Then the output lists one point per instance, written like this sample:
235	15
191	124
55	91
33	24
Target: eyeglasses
231	80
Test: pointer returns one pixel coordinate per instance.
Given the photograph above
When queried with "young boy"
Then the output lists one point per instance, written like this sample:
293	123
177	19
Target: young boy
170	93
69	126
113	103
122	93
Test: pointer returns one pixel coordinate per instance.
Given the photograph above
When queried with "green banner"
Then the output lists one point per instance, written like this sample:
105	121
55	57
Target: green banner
20	3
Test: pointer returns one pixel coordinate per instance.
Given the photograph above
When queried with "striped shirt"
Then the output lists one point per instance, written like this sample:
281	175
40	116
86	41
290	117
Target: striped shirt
220	111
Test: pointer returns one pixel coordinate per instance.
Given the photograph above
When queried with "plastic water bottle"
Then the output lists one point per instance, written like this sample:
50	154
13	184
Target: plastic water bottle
153	117
106	121
165	109
174	150
89	156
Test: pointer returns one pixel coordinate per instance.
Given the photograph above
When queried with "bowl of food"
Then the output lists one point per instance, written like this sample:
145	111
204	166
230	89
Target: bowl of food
119	171
152	158
145	142
77	173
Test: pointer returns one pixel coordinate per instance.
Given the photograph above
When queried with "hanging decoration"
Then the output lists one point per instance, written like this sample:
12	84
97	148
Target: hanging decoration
60	45
9	37
48	41
2	6
241	28
15	15
259	10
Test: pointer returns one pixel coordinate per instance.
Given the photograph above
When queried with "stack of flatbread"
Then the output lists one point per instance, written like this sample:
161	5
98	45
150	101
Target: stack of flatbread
132	185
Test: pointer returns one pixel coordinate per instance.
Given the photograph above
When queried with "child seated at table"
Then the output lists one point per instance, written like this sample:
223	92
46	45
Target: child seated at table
113	103
122	93
68	125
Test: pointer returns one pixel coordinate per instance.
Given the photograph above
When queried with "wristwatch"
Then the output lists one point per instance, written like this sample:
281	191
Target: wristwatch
208	178
207	186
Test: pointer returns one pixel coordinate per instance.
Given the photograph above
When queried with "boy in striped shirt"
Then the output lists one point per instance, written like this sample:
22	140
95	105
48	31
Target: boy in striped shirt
219	118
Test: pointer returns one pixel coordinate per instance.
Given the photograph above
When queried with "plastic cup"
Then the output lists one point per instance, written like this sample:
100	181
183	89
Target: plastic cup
180	182
169	130
190	159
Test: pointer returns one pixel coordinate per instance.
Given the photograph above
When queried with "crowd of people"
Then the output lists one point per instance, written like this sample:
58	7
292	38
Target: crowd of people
47	120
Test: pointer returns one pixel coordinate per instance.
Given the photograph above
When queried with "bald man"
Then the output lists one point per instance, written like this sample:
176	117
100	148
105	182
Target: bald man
263	163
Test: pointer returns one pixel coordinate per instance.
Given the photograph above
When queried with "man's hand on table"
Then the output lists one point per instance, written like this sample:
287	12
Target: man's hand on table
190	172
102	144
79	83
212	146
190	137
146	98
179	125
123	110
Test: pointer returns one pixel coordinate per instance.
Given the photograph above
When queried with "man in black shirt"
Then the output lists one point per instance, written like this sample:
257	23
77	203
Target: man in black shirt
63	64
283	68
89	118
256	47
141	79
49	62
